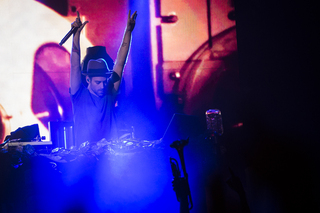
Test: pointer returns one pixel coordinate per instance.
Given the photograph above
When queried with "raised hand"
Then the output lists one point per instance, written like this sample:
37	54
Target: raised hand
131	20
75	74
78	24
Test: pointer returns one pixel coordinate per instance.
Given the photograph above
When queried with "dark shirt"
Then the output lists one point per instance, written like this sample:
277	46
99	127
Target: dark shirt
93	116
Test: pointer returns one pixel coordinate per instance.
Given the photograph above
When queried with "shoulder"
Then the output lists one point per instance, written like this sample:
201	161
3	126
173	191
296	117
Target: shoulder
81	92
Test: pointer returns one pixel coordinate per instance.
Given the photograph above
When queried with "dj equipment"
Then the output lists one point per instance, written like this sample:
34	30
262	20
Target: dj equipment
33	143
27	135
23	134
61	134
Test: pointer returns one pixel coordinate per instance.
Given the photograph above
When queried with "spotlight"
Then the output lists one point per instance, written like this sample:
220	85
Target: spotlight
174	75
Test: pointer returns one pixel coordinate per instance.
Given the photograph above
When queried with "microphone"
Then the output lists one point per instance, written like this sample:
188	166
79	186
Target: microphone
67	36
214	121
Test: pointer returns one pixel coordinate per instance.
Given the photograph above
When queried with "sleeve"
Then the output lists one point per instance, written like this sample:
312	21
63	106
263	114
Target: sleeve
110	84
115	77
75	97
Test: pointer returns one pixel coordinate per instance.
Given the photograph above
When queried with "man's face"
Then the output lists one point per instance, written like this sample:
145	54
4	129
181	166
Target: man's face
97	85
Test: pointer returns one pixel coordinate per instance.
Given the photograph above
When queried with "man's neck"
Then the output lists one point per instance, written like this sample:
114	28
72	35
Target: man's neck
93	93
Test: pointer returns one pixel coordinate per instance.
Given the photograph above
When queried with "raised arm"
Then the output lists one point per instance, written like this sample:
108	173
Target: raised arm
124	48
75	72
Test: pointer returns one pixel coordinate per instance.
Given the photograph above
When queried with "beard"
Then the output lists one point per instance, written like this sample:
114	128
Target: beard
101	92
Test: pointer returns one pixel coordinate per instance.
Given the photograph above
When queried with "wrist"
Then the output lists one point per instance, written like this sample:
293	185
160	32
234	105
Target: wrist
75	49
129	30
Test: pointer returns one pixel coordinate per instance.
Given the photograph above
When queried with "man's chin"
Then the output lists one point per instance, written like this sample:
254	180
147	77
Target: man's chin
100	94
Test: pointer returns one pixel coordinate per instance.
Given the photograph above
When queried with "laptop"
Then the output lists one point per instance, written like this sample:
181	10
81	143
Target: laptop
182	127
26	133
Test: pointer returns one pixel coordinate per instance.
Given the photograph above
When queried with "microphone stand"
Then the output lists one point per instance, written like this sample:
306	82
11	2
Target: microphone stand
214	131
181	184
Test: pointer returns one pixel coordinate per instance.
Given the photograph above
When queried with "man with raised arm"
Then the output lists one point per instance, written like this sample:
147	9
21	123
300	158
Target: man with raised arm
93	106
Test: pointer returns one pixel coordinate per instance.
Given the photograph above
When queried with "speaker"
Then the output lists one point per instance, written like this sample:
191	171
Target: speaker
61	134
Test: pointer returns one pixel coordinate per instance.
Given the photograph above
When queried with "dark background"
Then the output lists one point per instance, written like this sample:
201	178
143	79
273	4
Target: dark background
278	45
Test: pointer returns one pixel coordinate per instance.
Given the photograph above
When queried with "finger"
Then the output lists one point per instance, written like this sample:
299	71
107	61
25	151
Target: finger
78	16
84	24
129	14
134	15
